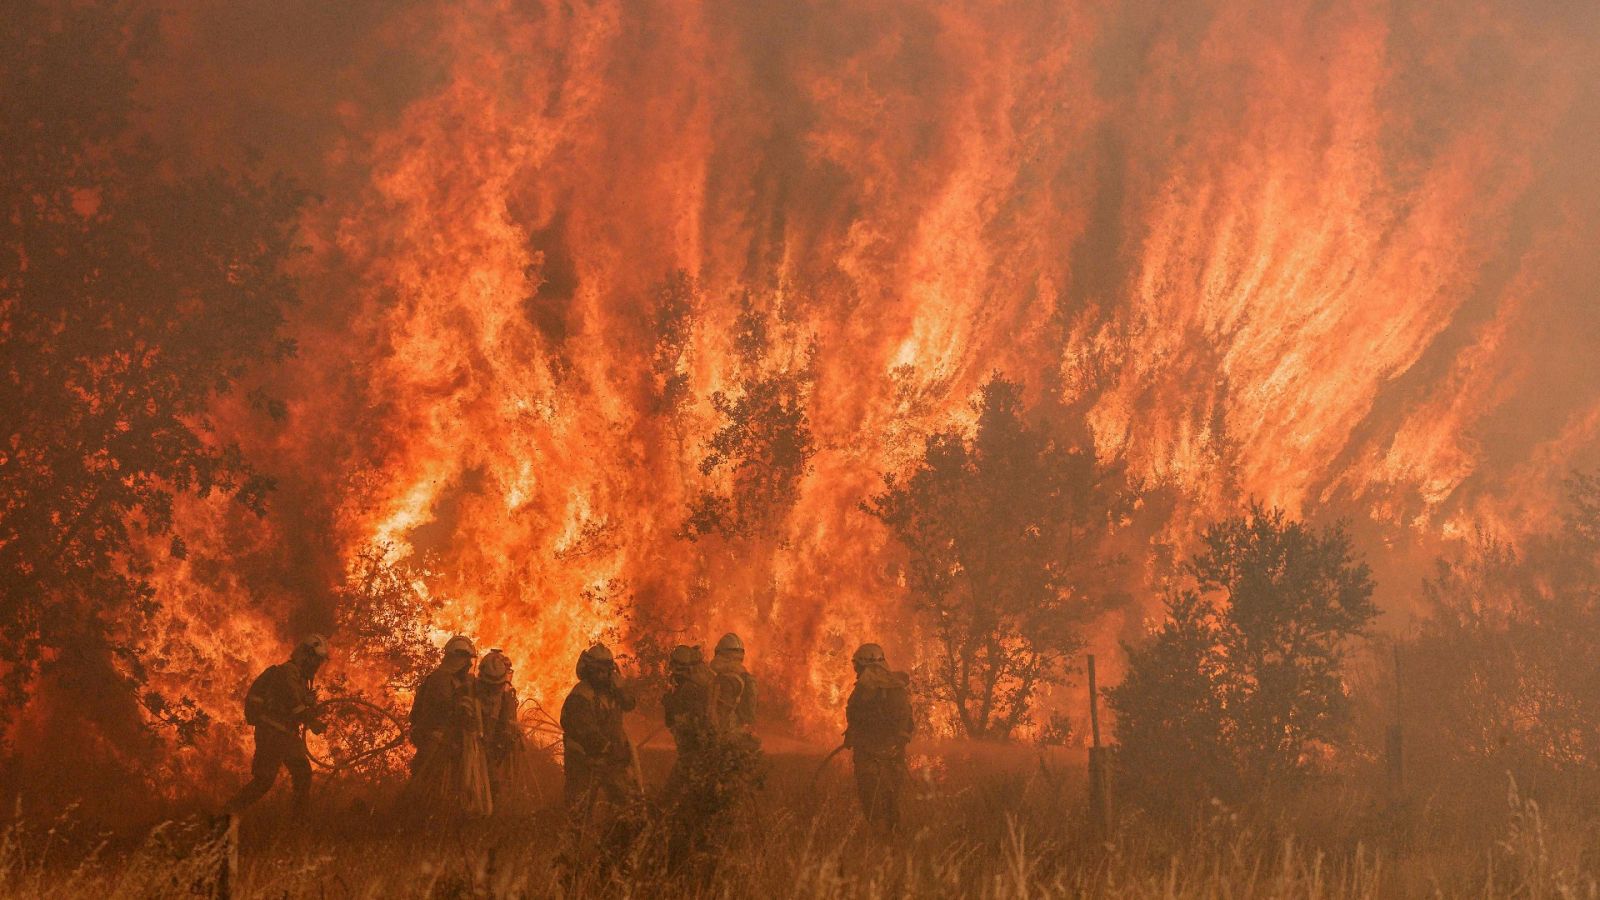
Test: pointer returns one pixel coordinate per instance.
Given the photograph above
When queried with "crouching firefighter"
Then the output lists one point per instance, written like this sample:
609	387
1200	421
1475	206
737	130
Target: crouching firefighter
879	725
281	705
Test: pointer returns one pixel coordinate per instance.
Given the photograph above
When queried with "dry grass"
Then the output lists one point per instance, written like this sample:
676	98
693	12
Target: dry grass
979	829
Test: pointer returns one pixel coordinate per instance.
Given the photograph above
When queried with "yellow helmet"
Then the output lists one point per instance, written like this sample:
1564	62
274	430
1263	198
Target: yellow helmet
730	645
868	655
596	660
495	667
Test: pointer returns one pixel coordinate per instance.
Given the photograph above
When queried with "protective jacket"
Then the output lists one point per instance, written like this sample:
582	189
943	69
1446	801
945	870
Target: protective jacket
450	772
688	708
733	696
878	714
439	706
281	699
596	755
591	725
499	705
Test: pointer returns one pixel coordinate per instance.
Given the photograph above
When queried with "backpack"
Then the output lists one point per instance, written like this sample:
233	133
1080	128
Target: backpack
727	700
257	693
880	706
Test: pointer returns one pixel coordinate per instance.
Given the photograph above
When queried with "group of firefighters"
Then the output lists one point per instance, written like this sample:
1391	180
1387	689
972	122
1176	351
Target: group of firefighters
471	754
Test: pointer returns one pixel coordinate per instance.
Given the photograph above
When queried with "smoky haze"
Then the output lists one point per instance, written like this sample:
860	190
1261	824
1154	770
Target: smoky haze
1338	257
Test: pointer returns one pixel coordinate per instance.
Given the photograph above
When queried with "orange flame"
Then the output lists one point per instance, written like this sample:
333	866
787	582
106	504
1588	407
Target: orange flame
1314	246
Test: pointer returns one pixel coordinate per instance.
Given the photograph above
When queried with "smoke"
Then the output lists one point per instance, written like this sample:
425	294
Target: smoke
1335	256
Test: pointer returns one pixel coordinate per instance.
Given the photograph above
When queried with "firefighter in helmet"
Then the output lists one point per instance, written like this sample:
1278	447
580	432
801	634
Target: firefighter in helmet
719	764
879	725
498	701
281	704
687	703
449	772
733	689
597	755
503	741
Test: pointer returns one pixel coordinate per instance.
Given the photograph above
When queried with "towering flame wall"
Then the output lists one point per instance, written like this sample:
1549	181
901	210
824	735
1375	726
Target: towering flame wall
1337	256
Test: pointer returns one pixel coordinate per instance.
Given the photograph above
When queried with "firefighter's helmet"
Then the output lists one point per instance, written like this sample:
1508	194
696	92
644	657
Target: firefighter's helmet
312	650
460	644
495	667
868	655
685	657
597	660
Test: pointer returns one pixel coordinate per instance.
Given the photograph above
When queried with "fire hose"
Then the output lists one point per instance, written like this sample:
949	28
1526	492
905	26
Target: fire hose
823	767
399	740
339	765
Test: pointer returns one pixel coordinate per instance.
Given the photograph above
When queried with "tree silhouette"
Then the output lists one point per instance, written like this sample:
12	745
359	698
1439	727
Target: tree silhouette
1501	674
763	444
1173	726
130	297
1242	679
1005	533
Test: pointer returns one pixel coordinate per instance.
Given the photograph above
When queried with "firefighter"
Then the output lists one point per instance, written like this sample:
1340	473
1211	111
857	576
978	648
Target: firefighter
733	689
726	773
879	725
450	772
510	775
281	704
598	758
705	774
688	700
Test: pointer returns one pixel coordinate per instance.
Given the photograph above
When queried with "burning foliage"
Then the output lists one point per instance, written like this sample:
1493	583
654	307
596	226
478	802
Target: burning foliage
1237	690
1501	670
132	297
607	319
1006	537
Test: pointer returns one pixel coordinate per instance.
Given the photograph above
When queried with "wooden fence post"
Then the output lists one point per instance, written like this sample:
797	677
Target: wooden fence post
1099	774
1394	749
228	858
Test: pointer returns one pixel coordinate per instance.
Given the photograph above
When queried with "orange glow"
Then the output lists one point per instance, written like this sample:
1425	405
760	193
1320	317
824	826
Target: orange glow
1241	231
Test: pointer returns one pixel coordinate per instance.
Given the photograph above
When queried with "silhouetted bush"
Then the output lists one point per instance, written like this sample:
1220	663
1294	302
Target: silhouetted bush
1239	688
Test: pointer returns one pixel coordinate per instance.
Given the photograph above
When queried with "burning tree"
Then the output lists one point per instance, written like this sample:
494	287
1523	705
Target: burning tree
672	326
763	444
1243	677
130	298
385	621
1005	531
1501	674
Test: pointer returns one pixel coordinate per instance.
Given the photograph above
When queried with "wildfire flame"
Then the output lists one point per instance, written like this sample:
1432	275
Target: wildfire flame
1307	252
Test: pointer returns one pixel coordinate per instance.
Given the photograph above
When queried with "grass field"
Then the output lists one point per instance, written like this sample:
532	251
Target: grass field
985	822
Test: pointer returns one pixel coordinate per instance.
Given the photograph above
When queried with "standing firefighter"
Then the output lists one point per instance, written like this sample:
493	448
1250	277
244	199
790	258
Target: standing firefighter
733	690
690	793
510	777
711	710
688	704
450	773
879	725
281	704
597	754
